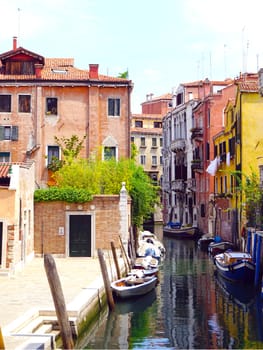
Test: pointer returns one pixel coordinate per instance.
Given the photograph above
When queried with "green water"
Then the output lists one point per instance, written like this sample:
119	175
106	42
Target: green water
190	309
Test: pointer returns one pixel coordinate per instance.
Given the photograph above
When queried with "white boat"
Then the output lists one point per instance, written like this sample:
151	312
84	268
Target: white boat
132	286
149	244
146	263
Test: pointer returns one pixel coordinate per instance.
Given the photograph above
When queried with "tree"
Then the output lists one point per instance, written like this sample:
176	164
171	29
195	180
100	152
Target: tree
106	177
252	196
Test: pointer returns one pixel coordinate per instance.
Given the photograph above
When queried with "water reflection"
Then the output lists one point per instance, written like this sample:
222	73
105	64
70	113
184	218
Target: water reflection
191	308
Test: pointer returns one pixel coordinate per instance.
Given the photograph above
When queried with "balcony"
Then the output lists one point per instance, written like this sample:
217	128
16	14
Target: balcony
166	187
191	184
197	165
178	185
197	134
178	145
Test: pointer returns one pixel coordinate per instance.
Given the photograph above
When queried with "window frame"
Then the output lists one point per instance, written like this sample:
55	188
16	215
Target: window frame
114	107
26	102
8	103
110	155
51	109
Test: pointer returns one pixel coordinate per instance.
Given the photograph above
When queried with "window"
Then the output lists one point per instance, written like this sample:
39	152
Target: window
138	124
143	159
161	160
154	142
109	153
5	103
161	142
142	141
114	106
4	157
52	105
52	152
154	160
202	210
9	133
24	103
132	139
157	125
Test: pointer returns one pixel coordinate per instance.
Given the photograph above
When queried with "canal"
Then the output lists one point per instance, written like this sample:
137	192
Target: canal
191	308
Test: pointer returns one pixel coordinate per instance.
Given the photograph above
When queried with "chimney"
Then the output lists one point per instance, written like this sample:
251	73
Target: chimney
14	43
93	71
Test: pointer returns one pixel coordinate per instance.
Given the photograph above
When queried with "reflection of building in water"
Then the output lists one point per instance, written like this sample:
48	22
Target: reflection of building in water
189	300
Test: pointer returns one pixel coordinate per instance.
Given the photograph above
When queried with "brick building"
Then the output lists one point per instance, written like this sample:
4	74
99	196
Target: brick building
45	97
41	98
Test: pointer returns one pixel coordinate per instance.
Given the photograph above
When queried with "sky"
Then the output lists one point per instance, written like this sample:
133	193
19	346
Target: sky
162	43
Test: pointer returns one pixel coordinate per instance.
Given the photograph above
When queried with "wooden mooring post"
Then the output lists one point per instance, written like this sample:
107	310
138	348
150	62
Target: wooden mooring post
115	258
126	259
59	301
106	279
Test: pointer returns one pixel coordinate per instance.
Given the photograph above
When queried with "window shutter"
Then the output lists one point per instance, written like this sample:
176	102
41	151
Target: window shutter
2	132
14	133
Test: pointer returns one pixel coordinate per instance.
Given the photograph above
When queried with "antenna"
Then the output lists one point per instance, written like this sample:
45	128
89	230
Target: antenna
18	23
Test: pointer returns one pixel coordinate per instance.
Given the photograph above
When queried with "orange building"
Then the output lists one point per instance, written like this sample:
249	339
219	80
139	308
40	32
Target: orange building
45	97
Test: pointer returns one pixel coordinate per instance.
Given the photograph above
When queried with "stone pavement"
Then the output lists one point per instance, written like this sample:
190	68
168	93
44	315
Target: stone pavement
28	290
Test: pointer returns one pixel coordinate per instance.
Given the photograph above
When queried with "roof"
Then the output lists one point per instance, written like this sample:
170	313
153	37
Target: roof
57	69
248	86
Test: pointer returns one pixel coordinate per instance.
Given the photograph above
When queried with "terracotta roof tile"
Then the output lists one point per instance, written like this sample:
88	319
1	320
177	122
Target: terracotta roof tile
248	86
61	69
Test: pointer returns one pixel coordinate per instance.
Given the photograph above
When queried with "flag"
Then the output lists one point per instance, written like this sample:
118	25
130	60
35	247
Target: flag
228	158
212	167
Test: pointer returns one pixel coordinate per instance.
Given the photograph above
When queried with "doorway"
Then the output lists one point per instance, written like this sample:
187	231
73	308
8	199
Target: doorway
80	236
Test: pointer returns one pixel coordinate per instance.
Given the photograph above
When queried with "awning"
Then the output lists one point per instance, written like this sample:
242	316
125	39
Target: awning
5	170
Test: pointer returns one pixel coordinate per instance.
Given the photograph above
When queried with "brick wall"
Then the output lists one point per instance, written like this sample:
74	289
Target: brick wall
52	217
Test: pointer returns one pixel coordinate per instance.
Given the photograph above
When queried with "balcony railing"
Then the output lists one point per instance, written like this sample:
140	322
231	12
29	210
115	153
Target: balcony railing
178	145
197	165
191	184
178	185
197	133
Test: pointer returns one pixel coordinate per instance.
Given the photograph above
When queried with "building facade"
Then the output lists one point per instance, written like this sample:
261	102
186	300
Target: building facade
239	149
41	98
147	136
186	151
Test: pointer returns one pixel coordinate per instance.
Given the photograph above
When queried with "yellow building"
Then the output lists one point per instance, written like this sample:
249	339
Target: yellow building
238	149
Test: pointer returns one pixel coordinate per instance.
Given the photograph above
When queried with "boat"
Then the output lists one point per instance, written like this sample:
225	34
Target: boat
174	230
215	248
235	266
149	244
204	241
133	286
148	264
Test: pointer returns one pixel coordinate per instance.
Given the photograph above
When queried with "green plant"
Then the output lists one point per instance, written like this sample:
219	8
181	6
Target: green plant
67	194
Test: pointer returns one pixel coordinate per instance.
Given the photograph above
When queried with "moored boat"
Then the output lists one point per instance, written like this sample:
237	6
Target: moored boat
235	266
189	232
149	244
133	286
204	241
215	248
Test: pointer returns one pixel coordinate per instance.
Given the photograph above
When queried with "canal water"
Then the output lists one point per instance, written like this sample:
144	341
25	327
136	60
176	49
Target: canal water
191	308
